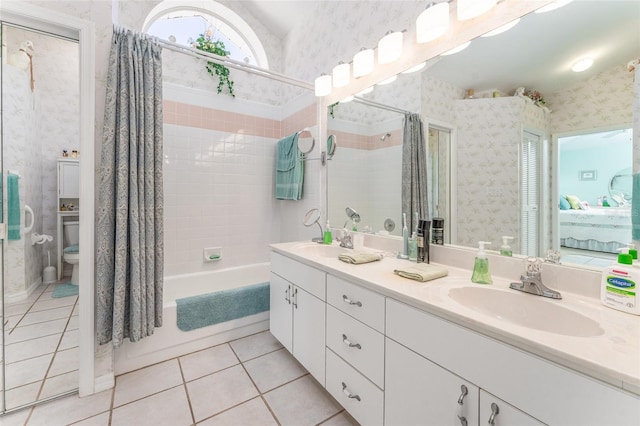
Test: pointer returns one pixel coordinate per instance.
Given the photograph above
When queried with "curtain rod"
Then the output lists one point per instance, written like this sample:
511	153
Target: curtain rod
379	105
232	63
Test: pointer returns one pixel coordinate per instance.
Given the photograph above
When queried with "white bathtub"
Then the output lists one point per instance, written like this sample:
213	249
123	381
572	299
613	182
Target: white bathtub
168	341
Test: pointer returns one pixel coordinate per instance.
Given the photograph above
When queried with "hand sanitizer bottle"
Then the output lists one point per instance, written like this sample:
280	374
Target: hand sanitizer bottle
505	249
481	273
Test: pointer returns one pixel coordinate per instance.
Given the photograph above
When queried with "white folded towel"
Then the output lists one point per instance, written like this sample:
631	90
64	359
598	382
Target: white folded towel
422	272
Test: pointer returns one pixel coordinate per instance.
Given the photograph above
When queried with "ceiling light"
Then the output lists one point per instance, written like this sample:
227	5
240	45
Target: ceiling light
582	65
456	49
553	6
416	68
469	9
365	91
433	22
323	85
388	81
341	75
390	47
502	29
362	62
347	99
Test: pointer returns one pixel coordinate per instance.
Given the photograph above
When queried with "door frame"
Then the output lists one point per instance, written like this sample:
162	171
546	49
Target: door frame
83	31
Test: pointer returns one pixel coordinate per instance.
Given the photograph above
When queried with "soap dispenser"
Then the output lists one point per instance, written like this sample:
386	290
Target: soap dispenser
618	287
505	249
328	237
481	266
405	238
634	253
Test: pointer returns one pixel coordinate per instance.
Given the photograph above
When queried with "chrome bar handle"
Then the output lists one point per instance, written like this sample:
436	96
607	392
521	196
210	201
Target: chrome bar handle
295	298
345	299
286	294
465	392
494	412
349	394
348	343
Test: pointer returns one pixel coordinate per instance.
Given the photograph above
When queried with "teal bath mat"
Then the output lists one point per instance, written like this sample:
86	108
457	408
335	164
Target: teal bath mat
213	308
65	290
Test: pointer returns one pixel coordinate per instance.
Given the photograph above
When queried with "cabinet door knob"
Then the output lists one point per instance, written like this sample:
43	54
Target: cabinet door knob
348	343
494	412
351	302
464	392
349	394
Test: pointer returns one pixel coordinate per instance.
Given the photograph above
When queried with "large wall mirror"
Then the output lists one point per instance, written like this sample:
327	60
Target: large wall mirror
508	170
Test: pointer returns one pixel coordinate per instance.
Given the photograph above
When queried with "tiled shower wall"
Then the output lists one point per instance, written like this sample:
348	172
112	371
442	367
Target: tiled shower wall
219	180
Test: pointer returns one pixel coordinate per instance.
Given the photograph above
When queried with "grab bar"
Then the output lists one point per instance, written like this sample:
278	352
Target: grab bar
29	210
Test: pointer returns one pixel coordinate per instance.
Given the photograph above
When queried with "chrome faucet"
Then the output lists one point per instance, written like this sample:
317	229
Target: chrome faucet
345	240
531	281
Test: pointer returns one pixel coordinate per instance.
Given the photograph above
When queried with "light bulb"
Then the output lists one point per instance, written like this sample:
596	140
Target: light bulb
388	80
502	29
469	9
456	49
433	22
323	85
390	47
363	62
341	75
582	65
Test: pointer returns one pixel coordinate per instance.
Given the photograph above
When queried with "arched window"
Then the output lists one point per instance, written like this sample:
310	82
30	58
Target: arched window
184	21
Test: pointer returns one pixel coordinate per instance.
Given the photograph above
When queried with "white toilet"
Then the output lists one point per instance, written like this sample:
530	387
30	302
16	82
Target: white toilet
71	252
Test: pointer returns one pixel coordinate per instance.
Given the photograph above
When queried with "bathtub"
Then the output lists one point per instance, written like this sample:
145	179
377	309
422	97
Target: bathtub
169	342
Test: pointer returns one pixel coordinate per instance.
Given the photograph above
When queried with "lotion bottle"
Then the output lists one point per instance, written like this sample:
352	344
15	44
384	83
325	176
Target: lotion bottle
481	273
405	238
619	288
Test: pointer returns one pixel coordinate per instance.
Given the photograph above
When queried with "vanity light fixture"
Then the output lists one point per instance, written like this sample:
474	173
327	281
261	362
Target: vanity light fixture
457	49
347	99
553	6
387	81
341	74
390	47
363	62
469	9
582	65
433	22
323	85
502	29
365	91
416	68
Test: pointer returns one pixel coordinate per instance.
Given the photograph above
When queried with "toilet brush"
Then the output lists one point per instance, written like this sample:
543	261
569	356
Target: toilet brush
49	272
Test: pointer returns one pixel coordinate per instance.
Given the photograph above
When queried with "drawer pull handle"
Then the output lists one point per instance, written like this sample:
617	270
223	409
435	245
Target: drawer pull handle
286	294
348	343
465	392
349	394
295	298
351	302
494	412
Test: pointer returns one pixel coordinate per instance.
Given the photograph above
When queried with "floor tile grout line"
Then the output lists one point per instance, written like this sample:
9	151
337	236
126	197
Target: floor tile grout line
261	355
186	391
144	397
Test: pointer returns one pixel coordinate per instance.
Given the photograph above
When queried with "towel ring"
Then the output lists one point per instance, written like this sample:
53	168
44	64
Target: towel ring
313	141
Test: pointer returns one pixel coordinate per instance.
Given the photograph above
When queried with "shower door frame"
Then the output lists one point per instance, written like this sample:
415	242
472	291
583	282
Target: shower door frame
51	21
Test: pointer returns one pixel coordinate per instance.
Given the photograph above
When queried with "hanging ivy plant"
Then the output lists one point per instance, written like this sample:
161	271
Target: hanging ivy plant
206	43
331	107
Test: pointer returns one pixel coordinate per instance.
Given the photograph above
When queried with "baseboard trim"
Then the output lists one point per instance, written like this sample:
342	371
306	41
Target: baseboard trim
104	382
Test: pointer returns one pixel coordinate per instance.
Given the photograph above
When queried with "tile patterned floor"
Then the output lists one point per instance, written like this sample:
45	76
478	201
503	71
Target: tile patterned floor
41	352
250	381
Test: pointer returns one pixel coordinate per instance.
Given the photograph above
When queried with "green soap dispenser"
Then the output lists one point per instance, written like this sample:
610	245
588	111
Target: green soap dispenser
633	252
505	249
327	237
481	273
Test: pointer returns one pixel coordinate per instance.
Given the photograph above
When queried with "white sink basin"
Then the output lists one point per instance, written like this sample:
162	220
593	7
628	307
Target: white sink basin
526	310
321	250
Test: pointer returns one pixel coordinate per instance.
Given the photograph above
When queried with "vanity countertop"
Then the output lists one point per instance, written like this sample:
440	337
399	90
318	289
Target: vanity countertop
613	356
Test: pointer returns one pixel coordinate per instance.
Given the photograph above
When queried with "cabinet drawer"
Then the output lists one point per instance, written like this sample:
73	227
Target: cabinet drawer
358	344
362	304
306	277
361	398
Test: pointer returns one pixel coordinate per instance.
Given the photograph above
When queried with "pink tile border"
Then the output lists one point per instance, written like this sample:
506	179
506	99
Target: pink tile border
368	143
183	114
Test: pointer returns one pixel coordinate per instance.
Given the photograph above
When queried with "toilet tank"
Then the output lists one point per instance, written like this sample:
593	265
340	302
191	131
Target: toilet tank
71	232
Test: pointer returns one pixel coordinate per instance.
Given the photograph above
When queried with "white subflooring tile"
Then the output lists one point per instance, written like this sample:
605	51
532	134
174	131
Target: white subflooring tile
208	387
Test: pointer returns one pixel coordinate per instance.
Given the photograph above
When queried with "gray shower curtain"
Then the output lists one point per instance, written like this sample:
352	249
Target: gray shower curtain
130	251
414	170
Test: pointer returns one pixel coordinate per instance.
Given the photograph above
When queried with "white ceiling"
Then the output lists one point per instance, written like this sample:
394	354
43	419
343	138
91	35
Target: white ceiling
537	53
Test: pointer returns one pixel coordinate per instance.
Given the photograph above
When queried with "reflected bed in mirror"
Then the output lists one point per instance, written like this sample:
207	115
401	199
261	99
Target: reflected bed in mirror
489	193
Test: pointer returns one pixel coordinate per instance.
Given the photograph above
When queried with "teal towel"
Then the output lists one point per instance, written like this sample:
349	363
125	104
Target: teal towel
226	305
289	169
635	207
72	249
13	207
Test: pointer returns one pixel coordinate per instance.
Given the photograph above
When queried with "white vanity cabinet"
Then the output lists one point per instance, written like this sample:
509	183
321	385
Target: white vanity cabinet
297	317
419	392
